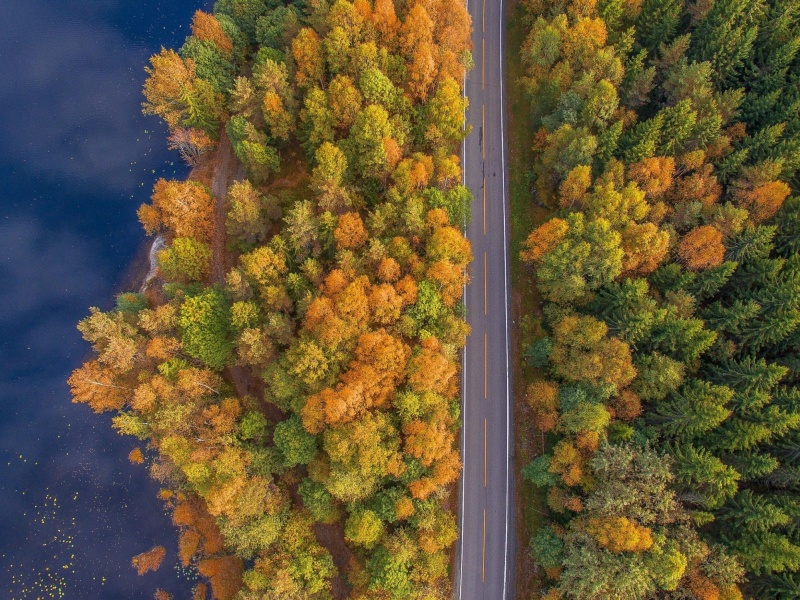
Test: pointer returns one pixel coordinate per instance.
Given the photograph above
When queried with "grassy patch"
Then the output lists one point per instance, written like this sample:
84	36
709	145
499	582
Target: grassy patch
525	216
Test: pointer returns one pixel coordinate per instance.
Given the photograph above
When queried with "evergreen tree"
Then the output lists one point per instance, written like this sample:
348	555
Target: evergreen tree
699	407
704	479
753	512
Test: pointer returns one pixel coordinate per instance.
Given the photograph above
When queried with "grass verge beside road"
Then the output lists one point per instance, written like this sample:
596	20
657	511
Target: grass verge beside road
526	312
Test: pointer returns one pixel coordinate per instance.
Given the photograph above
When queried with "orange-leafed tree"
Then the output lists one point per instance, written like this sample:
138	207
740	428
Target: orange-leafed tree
135	456
168	78
95	385
567	462
192	513
200	592
188	544
224	573
413	174
417	28
379	365
191	143
543	398
700	186
385	19
543	239
408	289
702	248
760	191
451	279
452	28
627	405
350	232
447	469
654	175
352	303
278	119
388	270
150	560
430	370
385	303
308	56
429	440
174	92
702	587
182	208
422	71
206	27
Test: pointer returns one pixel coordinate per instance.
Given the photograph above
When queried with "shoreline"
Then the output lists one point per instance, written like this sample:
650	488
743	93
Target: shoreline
141	268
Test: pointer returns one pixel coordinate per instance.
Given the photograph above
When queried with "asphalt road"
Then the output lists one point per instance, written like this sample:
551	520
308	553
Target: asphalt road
485	557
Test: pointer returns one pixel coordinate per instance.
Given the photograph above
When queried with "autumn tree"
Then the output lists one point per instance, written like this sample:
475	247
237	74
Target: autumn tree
582	351
307	53
186	259
364	528
249	213
760	191
620	534
543	240
207	28
174	92
97	386
350	232
182	208
702	248
445	117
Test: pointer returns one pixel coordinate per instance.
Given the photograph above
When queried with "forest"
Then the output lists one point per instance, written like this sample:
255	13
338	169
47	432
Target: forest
667	363
292	370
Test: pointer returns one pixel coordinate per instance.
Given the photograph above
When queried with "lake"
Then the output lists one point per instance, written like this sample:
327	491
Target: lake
77	158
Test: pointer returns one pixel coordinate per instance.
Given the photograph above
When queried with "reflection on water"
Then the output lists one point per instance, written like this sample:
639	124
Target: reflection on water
76	159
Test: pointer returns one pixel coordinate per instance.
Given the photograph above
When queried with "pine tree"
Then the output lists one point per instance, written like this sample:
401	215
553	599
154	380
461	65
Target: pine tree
658	22
753	512
783	586
787	240
726	35
753	242
683	339
745	374
642	141
699	407
730	319
765	552
703	478
752	465
627	309
769	331
678	127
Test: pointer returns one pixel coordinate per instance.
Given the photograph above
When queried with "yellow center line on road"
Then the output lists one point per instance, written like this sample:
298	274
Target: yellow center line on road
483	62
484	206
484	15
485	366
483	559
485	294
484	451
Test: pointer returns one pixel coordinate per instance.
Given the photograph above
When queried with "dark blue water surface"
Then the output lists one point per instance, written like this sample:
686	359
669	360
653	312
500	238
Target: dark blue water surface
76	160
